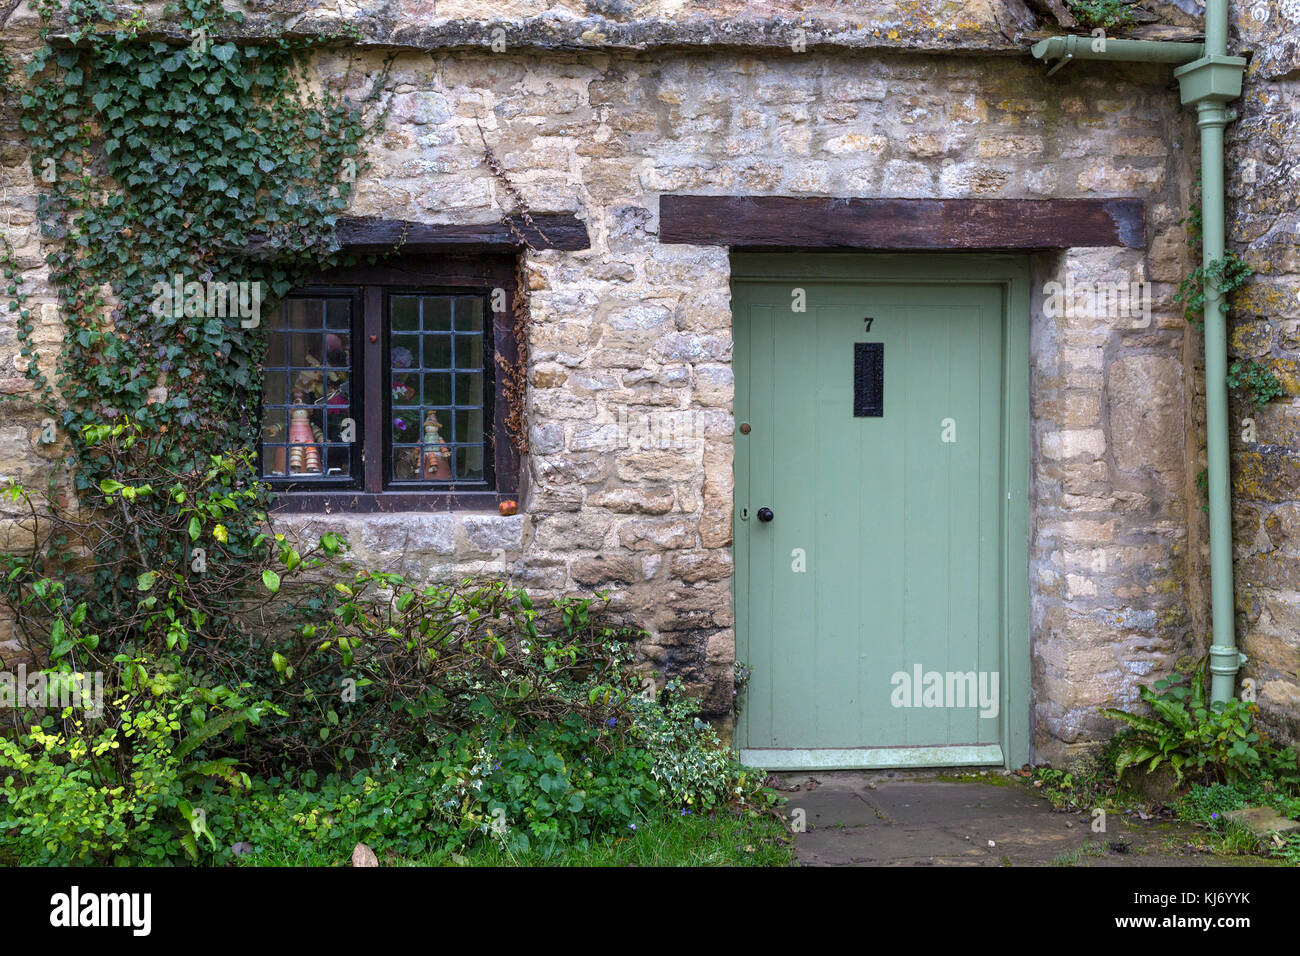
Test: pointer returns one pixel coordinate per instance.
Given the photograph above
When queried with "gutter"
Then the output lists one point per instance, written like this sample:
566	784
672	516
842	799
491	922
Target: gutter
1208	79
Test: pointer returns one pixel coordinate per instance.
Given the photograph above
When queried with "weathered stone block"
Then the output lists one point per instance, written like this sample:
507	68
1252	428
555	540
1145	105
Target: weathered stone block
393	534
659	534
491	533
651	501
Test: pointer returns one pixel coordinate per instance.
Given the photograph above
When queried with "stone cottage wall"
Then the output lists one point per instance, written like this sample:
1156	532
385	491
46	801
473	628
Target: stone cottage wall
629	480
1265	325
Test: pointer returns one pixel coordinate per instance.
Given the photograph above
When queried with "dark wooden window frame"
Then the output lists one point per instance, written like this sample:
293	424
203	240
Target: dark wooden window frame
425	272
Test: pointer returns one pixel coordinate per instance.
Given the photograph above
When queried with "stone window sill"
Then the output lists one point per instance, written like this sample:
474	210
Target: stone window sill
360	502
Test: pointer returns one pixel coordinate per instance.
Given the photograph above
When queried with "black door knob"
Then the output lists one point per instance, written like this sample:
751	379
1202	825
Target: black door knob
765	514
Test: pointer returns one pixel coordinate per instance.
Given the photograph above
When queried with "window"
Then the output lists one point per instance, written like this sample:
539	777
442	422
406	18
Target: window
381	388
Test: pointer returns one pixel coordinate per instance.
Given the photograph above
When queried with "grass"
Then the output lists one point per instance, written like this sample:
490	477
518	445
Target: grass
724	839
1076	856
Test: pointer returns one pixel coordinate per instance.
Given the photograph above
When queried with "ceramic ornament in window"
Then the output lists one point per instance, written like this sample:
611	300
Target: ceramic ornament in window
275	466
304	455
436	454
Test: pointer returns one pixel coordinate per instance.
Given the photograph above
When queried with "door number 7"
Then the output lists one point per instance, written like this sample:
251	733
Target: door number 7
868	321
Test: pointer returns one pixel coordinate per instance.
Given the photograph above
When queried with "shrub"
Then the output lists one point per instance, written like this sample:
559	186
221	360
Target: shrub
559	786
88	790
690	763
362	709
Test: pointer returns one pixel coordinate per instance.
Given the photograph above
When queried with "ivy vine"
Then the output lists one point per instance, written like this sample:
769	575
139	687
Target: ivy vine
1226	274
171	162
1256	381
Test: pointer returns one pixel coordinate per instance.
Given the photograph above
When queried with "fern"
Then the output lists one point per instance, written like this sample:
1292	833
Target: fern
1185	732
211	728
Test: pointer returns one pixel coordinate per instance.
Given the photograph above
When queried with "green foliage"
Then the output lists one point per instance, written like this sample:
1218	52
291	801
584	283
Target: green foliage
110	789
1259	382
1102	13
414	719
690	764
387	668
1227	274
661	838
1208	804
740	676
1289	850
1087	784
1212	742
561	786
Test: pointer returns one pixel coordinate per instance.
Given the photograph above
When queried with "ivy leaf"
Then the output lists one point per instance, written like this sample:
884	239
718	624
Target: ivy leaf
60	644
195	528
146	581
271	580
224	51
220	533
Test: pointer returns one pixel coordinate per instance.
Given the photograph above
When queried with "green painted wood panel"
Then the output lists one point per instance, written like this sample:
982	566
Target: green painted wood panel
888	546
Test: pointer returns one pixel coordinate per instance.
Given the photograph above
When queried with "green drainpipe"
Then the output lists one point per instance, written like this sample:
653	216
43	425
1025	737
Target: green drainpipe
1208	78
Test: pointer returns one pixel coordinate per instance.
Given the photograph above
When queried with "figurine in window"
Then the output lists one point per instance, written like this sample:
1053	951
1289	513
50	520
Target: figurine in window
437	456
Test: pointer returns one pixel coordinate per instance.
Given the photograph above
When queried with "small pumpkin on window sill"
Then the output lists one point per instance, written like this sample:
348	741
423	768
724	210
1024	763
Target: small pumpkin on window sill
507	508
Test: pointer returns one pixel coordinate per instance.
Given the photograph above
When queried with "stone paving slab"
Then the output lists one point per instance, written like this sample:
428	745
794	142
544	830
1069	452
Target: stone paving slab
917	803
1262	821
927	818
835	807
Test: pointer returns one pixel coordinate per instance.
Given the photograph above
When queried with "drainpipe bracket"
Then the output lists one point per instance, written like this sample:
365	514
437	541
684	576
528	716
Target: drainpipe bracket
1060	64
1225	659
1213	78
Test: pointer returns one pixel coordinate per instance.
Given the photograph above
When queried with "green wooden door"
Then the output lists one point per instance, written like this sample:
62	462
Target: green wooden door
870	607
